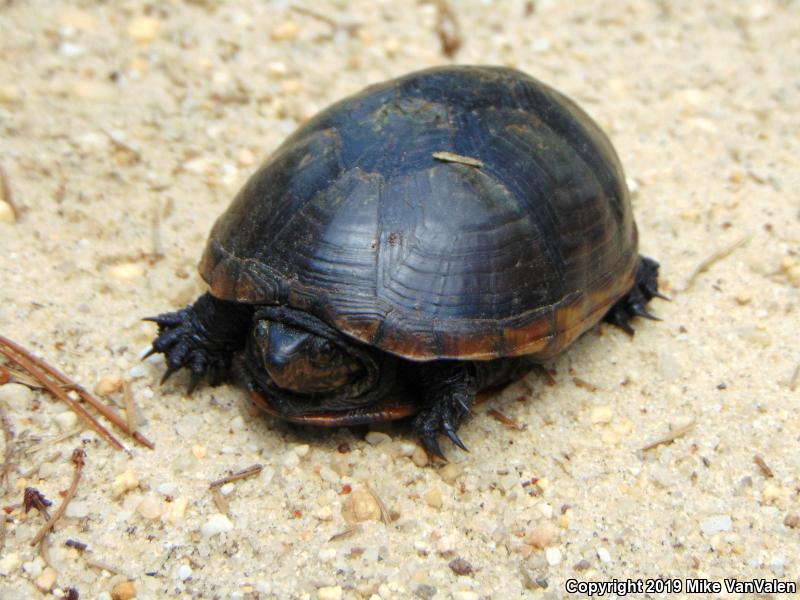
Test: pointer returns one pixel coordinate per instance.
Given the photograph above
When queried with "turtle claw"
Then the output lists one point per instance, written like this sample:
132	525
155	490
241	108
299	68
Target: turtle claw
171	370
634	303
450	432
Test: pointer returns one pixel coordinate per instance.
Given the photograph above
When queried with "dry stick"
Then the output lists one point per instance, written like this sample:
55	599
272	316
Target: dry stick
8	435
53	440
82	392
130	407
447	28
77	459
794	378
220	501
5	192
582	383
24	362
671	436
507	422
385	515
711	260
243	474
765	470
346	533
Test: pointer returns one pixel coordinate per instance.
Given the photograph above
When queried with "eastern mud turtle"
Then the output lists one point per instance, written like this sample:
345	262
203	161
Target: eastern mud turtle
427	238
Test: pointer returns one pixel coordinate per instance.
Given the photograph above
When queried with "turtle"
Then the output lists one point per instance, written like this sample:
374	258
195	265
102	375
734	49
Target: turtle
430	237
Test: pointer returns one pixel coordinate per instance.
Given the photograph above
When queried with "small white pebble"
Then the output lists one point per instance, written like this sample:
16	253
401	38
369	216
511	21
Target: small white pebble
465	595
263	586
216	524
291	460
553	556
602	414
329	475
546	509
149	508
327	554
406	449
66	420
375	438
9	563
604	555
267	473
124	482
302	450
184	572
17	396
47	579
167	489
77	510
34	567
325	513
716	524
237	423
138	371
330	593
226	489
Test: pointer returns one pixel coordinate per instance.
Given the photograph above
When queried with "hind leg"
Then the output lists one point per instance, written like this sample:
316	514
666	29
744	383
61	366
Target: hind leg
634	303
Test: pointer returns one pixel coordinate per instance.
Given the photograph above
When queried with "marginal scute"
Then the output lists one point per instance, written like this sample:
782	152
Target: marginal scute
354	219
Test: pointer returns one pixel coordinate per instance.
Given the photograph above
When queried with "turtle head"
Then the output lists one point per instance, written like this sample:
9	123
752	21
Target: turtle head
300	361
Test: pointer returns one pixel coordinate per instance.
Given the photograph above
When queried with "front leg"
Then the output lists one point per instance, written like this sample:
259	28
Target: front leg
202	337
448	391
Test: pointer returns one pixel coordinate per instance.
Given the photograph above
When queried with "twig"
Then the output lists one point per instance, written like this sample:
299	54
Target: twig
53	440
8	451
671	436
346	533
350	28
457	158
97	564
447	28
506	421
29	365
220	501
243	474
77	459
793	380
104	410
130	407
706	264
765	470
582	383
5	192
157	252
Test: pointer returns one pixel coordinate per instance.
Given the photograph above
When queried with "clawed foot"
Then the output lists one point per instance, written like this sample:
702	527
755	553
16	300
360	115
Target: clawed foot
634	304
450	392
195	338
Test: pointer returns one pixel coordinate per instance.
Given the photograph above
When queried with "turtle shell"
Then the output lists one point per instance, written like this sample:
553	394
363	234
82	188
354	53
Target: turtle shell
457	212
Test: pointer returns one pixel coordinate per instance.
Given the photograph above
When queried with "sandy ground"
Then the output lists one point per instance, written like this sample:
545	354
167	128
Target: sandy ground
126	127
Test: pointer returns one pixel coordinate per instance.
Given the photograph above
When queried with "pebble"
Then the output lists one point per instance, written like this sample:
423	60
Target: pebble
406	449
375	438
123	483
184	572
47	579
16	396
601	414
604	555
167	489
267	473
743	298
226	489
123	591
333	592
199	451
715	524
325	513
10	94
419	457
218	523
149	508
285	31
77	510
542	535
792	520
329	475
9	563
66	420
34	567
360	506
7	213
291	460
668	365
177	509
434	498
302	450
108	385
126	271
143	30
450	472
553	556
465	595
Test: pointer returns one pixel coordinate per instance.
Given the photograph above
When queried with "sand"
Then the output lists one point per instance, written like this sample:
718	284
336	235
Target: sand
125	129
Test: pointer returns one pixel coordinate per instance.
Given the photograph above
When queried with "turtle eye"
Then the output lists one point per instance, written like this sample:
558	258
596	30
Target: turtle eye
302	362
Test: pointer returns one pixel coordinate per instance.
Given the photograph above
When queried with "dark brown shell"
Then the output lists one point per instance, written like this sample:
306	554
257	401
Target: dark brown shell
355	220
